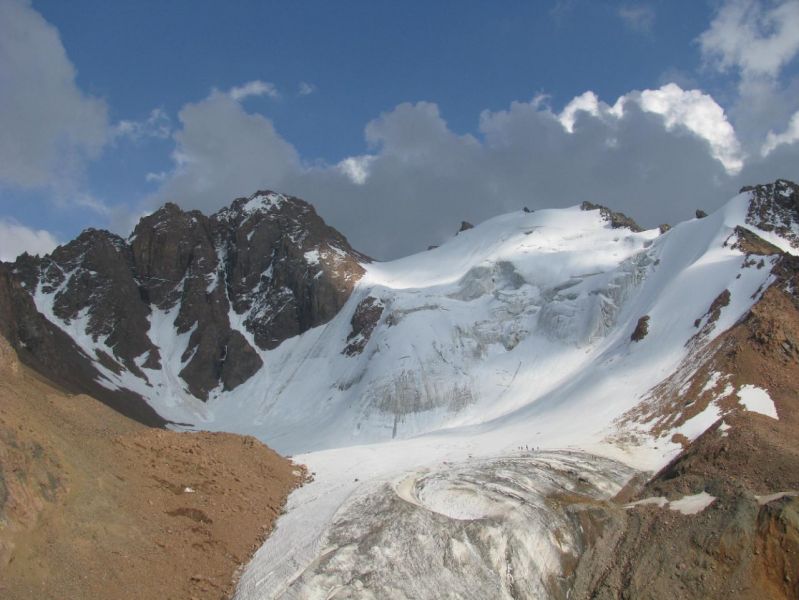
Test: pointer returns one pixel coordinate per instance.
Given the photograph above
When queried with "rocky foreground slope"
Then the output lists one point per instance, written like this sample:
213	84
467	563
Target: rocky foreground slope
94	505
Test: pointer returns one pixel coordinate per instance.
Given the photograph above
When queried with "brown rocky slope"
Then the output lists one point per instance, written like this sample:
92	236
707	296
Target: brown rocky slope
745	545
95	505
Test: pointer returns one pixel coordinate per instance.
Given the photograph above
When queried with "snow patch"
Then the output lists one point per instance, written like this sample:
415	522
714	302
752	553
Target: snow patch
312	257
687	505
263	202
776	496
712	381
691	505
755	399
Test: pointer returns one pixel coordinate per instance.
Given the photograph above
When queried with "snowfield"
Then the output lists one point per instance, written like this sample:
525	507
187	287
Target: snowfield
490	384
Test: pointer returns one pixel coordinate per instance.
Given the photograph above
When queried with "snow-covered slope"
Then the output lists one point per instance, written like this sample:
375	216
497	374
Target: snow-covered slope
524	319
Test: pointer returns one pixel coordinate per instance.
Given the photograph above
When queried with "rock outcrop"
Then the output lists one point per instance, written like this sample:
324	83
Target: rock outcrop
617	220
641	329
774	207
465	226
366	317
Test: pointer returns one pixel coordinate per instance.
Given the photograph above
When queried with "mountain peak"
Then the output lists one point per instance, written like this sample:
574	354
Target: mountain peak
264	203
194	296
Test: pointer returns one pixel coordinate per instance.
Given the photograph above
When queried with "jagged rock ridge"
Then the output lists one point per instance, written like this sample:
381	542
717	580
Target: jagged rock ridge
235	283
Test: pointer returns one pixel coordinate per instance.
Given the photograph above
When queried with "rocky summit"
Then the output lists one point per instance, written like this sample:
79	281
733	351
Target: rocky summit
244	279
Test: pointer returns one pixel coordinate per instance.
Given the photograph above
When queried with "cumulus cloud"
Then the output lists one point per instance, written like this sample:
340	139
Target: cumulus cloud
254	88
656	154
586	102
692	110
16	239
755	40
222	151
356	168
755	37
49	126
699	113
639	18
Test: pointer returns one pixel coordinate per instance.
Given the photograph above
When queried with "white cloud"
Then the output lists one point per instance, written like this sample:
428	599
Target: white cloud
755	40
356	168
50	128
16	239
157	125
87	200
254	88
586	102
789	136
306	88
655	154
416	133
639	18
693	110
700	114
756	37
223	151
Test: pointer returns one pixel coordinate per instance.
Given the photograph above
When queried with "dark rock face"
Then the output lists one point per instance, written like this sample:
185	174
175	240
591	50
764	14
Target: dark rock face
364	320
775	207
92	276
246	278
641	329
168	245
617	220
465	226
286	269
177	263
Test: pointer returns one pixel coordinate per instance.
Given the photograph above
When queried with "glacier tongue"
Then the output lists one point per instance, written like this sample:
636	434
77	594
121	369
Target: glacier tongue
482	528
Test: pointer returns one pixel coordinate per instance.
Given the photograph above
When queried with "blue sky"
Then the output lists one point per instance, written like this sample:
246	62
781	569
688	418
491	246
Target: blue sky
396	120
367	57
